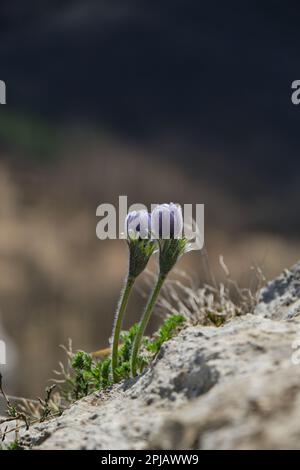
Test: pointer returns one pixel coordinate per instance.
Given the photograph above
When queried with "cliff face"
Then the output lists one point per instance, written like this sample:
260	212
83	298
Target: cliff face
236	386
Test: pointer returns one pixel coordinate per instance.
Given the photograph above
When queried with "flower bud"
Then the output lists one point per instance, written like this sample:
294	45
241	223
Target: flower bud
167	221
137	225
167	227
141	247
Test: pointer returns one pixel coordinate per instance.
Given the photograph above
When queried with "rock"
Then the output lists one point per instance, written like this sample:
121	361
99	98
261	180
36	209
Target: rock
280	299
261	412
232	387
208	388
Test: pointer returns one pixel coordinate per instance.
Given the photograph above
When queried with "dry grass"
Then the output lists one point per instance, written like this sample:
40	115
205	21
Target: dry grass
210	303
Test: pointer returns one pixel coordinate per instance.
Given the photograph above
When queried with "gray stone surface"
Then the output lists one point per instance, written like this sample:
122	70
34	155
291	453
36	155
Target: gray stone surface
280	299
245	413
209	388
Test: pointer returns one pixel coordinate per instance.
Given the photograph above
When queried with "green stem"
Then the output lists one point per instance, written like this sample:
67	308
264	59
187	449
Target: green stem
144	322
118	325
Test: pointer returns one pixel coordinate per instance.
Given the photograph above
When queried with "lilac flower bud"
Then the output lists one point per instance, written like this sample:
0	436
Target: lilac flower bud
141	246
137	225
167	221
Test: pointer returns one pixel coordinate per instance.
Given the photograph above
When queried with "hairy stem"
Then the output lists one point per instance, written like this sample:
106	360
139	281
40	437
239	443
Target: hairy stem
144	322
118	324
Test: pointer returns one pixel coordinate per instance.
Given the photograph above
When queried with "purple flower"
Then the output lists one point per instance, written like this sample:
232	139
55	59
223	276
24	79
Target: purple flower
167	221
137	225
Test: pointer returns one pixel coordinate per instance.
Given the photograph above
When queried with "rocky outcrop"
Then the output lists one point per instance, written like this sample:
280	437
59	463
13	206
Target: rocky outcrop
234	387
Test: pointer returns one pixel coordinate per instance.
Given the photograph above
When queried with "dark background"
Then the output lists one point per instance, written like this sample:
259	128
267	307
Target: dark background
182	101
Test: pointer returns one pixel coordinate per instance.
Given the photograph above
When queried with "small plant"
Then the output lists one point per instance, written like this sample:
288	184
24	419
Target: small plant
171	326
84	374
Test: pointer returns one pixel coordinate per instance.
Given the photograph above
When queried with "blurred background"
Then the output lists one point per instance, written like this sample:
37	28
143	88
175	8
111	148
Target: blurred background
182	101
